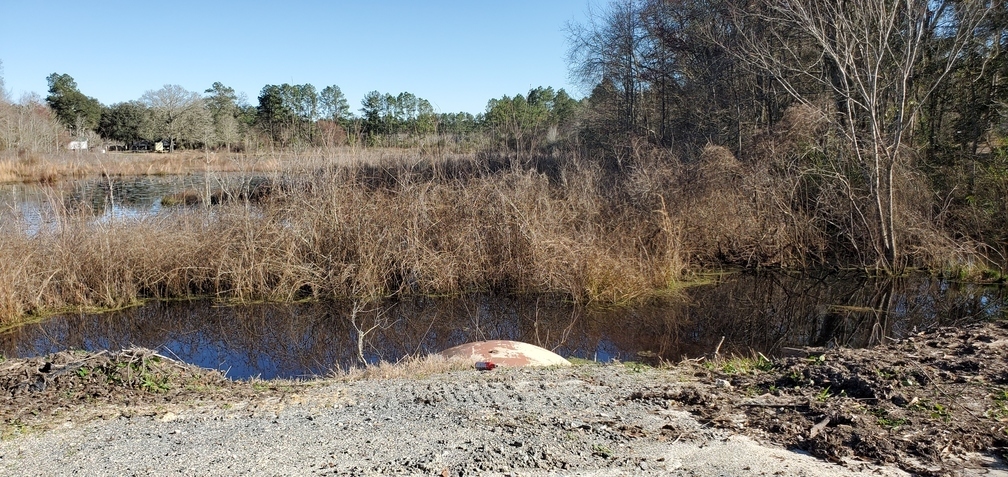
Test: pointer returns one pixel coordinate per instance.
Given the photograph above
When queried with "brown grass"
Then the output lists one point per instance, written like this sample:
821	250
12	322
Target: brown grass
410	368
354	232
369	224
37	167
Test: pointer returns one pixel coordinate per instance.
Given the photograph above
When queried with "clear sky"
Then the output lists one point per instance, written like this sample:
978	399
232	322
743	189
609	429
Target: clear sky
455	53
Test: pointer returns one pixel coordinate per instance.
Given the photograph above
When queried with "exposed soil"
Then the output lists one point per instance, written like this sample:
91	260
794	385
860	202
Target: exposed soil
36	392
933	404
928	403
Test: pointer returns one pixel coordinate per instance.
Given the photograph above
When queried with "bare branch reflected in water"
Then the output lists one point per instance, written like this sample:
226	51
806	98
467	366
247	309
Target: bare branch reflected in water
567	331
755	313
474	322
423	338
535	326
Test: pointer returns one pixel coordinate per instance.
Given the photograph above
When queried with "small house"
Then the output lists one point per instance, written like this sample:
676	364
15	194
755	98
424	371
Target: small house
78	145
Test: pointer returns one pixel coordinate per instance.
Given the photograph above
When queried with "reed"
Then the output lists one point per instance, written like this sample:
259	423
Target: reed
365	225
353	232
39	167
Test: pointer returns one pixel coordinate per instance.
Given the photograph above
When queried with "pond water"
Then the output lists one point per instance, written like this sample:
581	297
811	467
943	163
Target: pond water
115	197
752	312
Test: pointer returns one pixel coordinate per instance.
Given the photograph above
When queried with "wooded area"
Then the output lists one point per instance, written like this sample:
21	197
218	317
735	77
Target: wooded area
870	134
881	115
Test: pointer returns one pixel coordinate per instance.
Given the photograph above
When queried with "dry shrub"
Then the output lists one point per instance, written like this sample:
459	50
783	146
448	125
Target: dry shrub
361	233
513	232
925	242
370	225
378	224
374	225
18	275
718	165
801	132
802	124
409	368
734	213
973	206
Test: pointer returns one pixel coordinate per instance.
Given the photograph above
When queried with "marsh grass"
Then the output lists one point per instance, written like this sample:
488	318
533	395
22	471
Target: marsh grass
353	231
48	168
370	224
38	167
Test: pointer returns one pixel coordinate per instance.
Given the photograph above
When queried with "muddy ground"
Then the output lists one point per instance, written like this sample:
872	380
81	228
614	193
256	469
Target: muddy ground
926	404
935	403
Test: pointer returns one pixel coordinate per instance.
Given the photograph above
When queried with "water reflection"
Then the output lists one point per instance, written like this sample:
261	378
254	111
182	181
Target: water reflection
119	197
754	313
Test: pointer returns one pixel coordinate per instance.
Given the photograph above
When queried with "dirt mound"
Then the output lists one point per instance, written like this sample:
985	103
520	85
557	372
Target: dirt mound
33	389
931	404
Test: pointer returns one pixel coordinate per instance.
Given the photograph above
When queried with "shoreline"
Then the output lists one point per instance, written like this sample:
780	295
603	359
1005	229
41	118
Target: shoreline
933	404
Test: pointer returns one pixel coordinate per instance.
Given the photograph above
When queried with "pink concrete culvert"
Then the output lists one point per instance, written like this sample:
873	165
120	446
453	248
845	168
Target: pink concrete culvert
512	354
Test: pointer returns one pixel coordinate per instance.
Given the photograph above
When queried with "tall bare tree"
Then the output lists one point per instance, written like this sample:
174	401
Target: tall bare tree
609	46
867	57
30	125
4	94
174	111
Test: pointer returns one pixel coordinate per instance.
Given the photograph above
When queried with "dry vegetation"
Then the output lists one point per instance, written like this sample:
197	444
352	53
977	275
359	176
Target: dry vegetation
360	231
369	224
37	167
24	166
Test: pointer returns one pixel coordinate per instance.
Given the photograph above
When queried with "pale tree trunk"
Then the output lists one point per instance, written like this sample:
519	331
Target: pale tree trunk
867	55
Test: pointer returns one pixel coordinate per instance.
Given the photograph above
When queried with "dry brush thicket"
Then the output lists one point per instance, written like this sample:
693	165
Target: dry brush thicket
374	225
358	231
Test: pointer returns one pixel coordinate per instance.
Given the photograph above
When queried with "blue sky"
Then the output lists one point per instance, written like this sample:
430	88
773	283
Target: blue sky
456	54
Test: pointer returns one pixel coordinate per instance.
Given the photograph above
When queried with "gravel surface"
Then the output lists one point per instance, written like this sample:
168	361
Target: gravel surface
582	420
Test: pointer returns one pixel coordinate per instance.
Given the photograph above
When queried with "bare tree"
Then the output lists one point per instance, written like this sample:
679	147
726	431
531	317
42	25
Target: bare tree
364	323
4	94
174	111
29	125
609	47
868	56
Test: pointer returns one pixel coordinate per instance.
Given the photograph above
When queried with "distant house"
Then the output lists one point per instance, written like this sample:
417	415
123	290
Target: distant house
141	146
78	145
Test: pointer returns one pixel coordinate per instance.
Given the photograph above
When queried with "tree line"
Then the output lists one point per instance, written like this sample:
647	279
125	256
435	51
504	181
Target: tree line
881	124
283	116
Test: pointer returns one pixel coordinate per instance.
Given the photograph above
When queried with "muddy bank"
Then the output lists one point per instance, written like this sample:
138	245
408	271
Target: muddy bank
928	404
933	404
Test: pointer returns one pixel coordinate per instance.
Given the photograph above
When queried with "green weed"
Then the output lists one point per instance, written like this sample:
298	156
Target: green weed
151	383
602	451
883	419
740	365
934	410
1000	409
816	359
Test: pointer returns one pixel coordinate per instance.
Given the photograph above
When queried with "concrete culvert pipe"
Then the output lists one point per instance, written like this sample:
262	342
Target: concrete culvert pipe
506	353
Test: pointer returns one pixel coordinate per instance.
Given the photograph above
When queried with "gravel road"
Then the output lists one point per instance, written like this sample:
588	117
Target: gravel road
562	421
